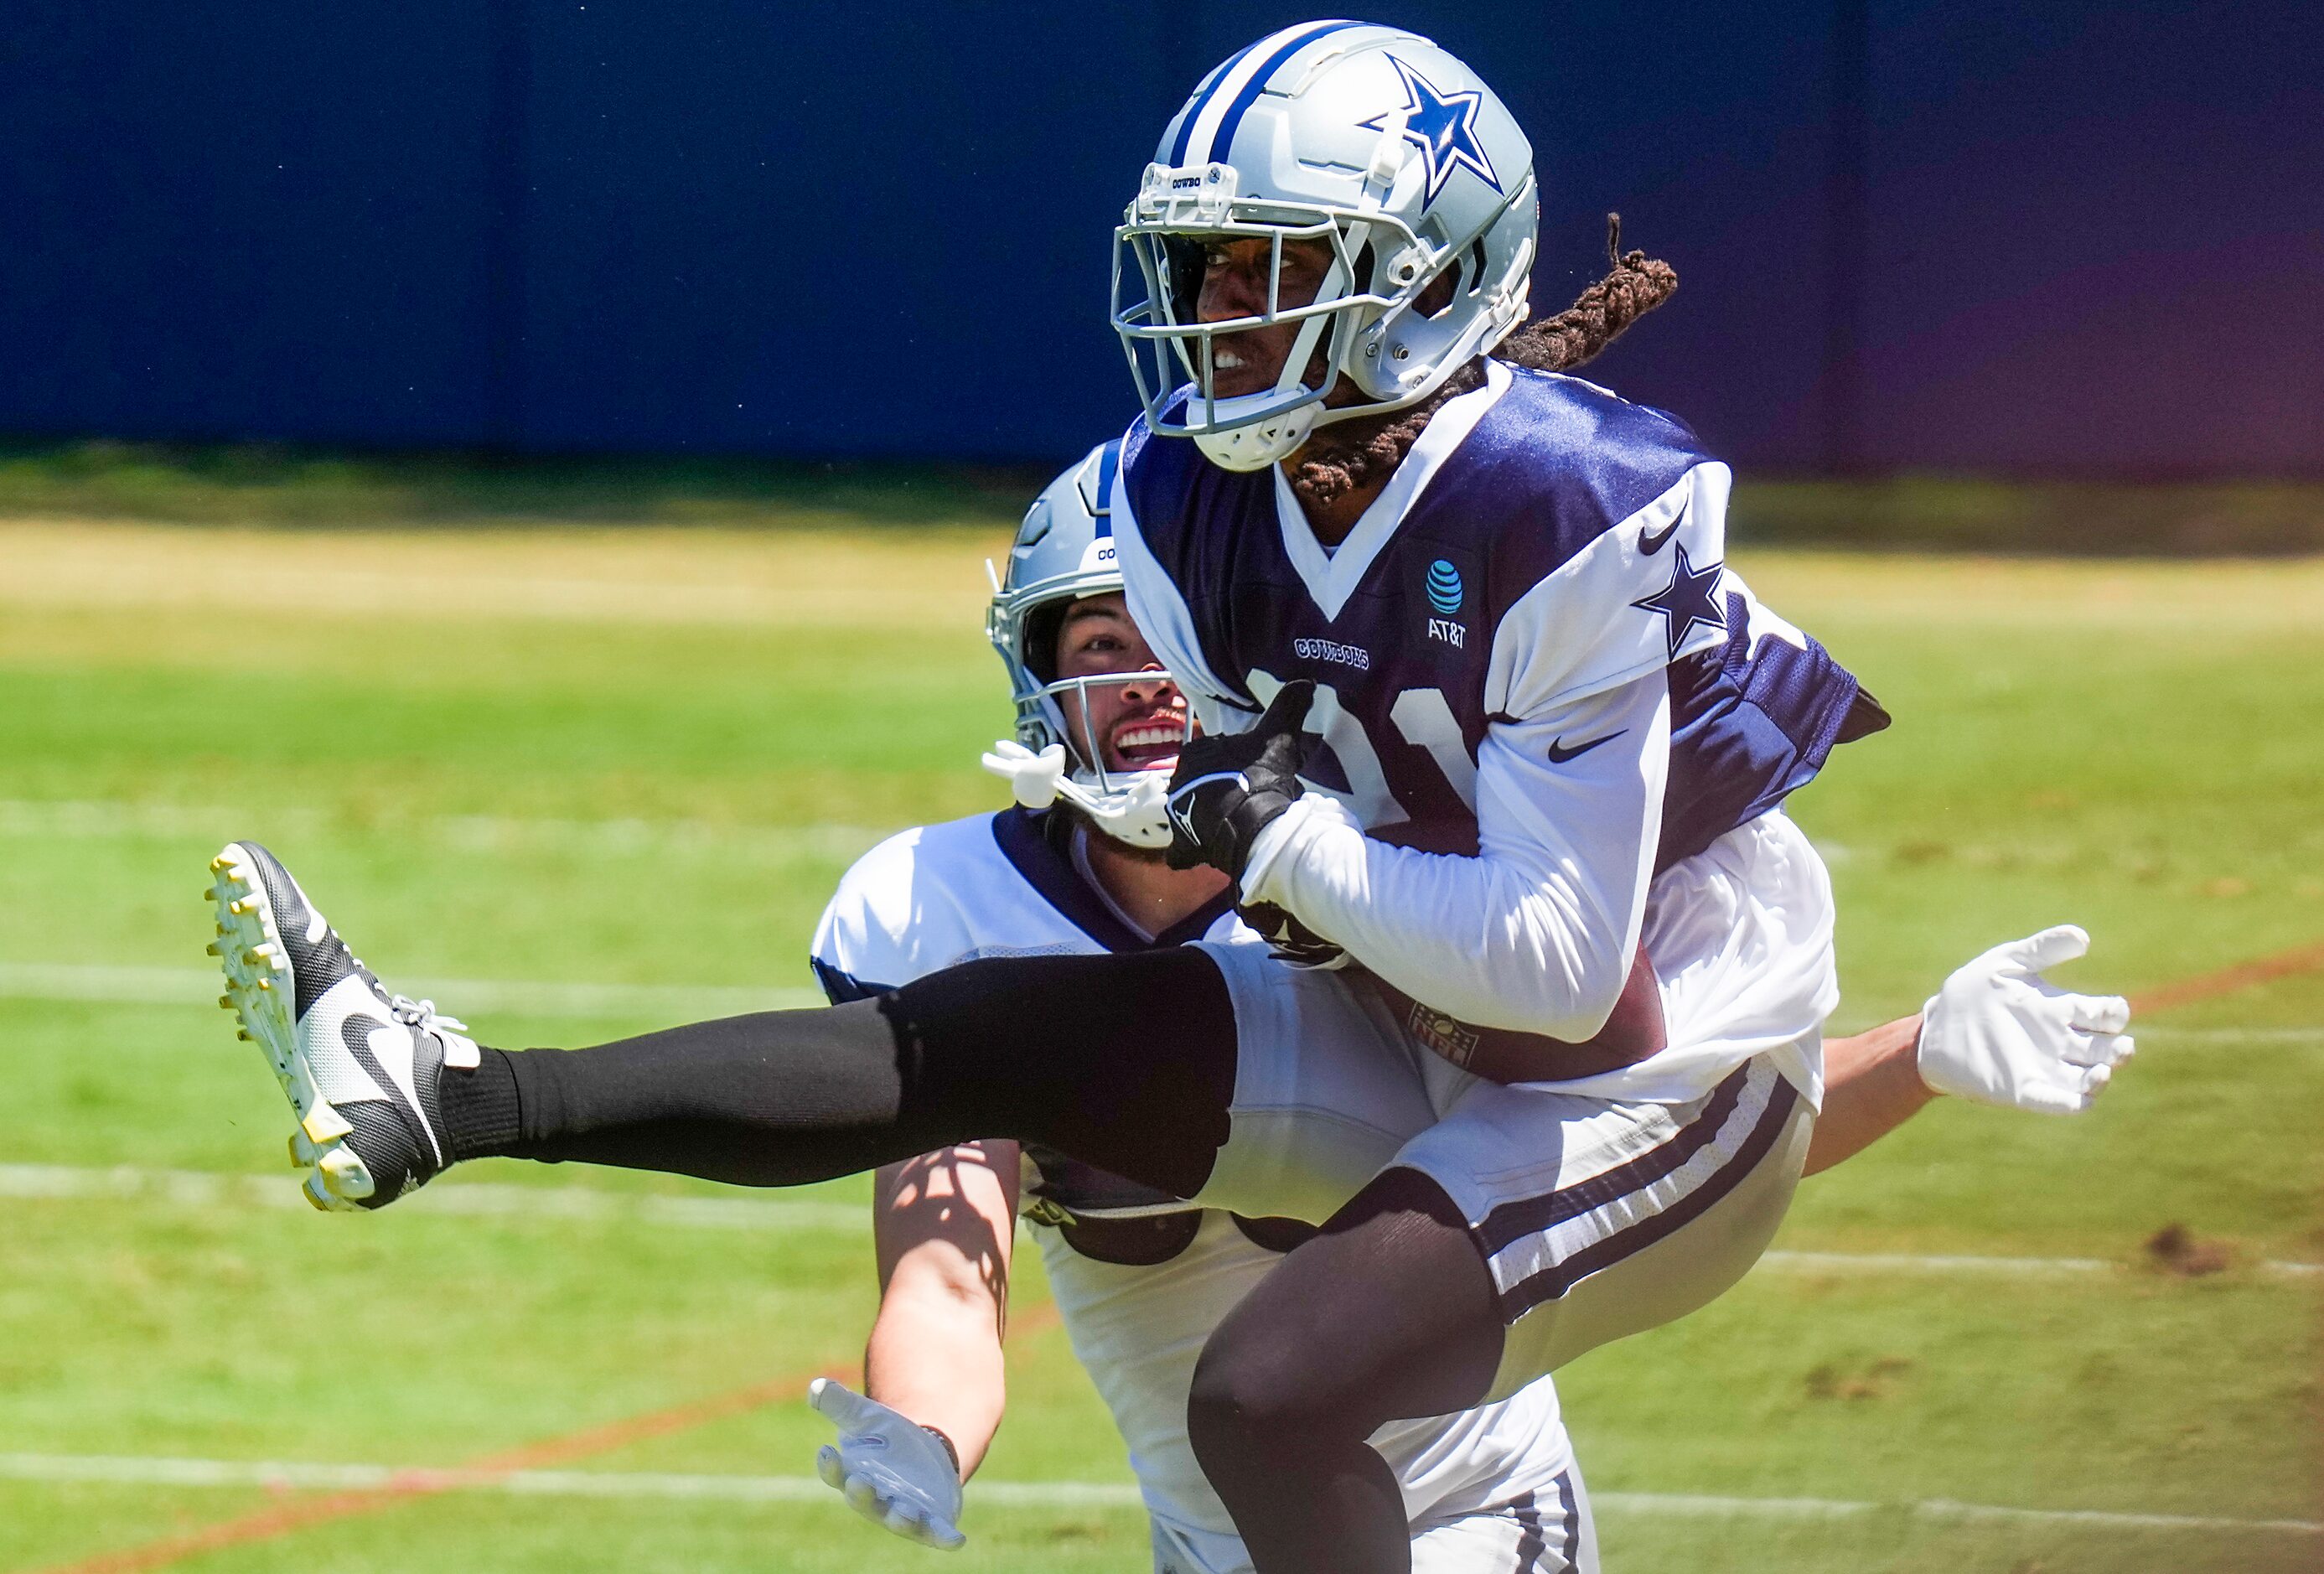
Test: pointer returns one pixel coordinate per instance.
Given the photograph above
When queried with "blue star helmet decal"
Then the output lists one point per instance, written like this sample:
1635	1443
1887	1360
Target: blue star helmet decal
1689	601
1443	124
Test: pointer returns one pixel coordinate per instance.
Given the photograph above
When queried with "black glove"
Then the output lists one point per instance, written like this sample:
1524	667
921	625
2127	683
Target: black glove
1290	941
1228	789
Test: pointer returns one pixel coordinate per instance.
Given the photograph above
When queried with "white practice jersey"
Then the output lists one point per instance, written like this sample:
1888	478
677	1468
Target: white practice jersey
997	886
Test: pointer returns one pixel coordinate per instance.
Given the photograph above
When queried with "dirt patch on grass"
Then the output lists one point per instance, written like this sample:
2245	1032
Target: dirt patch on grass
2176	1249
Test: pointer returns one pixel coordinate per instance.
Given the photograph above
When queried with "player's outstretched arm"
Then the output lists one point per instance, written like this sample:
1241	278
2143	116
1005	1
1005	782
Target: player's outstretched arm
943	1225
1997	1032
1870	1087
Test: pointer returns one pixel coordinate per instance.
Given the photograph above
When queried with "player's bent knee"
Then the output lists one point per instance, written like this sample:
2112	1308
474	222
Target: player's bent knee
1389	1314
1252	1400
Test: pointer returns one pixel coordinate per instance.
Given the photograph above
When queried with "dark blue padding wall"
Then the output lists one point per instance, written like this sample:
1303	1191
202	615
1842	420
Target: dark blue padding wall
1970	235
247	221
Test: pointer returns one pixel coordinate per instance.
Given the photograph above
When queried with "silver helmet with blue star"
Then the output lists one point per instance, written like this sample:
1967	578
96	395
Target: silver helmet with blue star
1065	553
1379	144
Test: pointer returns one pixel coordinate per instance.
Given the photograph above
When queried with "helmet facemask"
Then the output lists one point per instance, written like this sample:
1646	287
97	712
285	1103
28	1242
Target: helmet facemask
1381	146
1063	554
1057	759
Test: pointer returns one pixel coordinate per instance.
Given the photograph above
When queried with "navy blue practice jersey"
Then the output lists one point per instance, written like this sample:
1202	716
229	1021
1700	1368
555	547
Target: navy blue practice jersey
1545	542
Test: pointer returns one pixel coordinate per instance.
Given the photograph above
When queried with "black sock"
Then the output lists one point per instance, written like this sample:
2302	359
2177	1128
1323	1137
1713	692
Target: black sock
480	1106
1123	1062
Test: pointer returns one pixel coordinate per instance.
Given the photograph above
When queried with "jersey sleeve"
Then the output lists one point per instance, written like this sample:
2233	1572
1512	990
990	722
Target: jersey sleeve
1535	931
1640	596
866	942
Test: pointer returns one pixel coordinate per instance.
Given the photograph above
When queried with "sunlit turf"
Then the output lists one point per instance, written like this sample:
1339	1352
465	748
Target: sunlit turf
600	756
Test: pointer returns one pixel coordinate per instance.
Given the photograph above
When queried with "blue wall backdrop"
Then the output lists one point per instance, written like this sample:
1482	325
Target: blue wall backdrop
1973	234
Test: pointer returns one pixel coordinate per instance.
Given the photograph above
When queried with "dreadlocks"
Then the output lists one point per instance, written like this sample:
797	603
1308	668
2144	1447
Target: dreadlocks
1345	456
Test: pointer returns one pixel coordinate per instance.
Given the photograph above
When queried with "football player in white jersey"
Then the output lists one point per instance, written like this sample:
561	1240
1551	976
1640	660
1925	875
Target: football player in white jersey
1495	1483
1551	737
1141	1278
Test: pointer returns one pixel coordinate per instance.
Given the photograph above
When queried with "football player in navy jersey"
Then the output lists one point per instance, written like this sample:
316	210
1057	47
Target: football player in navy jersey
1141	1278
1495	749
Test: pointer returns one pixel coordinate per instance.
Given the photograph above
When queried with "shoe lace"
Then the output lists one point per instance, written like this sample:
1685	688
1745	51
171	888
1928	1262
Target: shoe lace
422	1014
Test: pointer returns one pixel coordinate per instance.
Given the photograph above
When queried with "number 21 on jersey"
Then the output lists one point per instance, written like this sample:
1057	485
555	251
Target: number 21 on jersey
1420	715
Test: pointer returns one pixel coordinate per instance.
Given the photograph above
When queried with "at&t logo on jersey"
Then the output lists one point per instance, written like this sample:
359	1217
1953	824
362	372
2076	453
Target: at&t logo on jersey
1445	594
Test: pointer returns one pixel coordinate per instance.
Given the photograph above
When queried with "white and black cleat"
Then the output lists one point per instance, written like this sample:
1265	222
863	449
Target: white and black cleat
361	1067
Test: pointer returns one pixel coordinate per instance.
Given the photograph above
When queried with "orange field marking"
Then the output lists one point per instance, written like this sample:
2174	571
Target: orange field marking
2229	980
281	1520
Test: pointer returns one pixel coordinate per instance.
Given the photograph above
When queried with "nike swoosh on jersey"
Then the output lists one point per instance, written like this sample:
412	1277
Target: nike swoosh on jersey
1559	753
1651	541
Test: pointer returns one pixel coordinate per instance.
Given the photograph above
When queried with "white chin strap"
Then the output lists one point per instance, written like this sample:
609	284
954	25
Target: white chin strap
1261	442
1133	813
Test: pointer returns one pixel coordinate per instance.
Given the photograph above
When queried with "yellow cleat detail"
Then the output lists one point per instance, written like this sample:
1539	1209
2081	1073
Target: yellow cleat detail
324	1124
344	1174
267	983
213	949
225	1002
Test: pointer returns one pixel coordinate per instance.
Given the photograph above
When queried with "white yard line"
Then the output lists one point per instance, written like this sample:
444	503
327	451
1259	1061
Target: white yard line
491	1199
172	986
1939	1508
1906	1262
204	1188
109	821
137	577
2166	1033
131	1470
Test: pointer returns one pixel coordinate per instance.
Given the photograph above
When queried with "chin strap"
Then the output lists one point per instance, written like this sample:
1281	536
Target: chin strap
1135	813
1260	442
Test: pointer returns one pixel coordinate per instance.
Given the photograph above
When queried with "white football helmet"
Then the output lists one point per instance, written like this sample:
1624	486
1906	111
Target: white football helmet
1064	553
1372	139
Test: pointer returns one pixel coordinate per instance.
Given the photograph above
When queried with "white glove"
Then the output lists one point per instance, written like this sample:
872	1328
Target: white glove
1999	1033
891	1470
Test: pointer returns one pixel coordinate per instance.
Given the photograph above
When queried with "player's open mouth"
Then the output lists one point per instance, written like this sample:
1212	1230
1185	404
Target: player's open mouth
1237	367
1149	745
1251	361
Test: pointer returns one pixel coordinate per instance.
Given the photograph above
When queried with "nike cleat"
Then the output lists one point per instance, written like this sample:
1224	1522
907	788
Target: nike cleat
360	1066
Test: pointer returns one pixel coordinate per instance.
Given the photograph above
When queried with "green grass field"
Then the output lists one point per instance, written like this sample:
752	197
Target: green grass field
641	759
